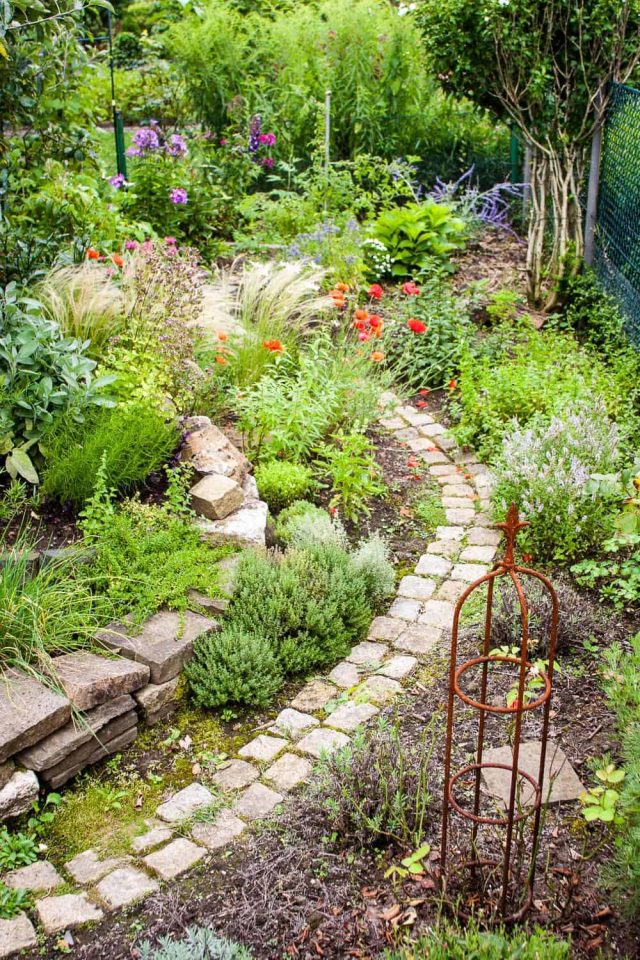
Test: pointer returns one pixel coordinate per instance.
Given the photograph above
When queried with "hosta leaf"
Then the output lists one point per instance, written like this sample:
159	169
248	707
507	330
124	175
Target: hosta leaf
20	462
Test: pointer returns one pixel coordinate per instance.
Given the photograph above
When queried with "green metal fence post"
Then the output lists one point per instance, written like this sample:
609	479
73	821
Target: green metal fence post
514	151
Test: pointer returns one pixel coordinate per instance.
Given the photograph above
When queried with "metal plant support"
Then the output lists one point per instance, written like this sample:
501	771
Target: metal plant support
491	882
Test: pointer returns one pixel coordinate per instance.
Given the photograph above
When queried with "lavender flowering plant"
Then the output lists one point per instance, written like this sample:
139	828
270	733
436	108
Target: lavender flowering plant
546	468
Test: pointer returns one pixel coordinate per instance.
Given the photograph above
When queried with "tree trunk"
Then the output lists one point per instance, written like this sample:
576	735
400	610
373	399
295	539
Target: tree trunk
555	238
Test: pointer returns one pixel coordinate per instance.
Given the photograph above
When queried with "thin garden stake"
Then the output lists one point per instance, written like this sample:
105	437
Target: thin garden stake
327	145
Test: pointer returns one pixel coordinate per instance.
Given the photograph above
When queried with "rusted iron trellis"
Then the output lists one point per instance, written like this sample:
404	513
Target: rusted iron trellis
505	902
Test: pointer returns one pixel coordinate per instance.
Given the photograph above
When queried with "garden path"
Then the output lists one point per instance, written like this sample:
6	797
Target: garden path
323	715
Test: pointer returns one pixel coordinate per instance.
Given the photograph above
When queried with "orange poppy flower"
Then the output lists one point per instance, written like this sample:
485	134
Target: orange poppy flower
222	335
220	359
361	314
338	302
274	345
93	254
342	287
117	259
377	356
452	384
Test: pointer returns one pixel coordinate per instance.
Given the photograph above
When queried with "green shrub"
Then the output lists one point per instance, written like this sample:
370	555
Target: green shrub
428	357
305	515
135	441
450	943
280	482
416	235
353	472
370	560
310	604
199	944
546	468
233	666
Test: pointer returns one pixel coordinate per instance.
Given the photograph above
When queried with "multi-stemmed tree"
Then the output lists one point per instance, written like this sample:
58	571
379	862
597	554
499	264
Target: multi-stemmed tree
545	66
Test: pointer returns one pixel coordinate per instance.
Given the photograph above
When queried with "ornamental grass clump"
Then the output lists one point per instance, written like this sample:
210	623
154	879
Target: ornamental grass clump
546	468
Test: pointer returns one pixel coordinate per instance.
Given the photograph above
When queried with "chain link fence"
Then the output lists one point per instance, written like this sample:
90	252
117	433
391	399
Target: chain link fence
617	238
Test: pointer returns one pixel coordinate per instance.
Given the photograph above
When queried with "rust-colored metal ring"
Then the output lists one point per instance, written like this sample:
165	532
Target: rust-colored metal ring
489	707
494	821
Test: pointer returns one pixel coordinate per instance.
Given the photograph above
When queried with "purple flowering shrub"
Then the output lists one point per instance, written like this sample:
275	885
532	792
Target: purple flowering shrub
546	467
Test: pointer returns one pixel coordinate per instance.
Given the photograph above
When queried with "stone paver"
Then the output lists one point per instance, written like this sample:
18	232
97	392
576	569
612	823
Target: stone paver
263	748
322	741
125	886
385	628
444	470
433	565
88	868
397	668
40	875
438	613
220	832
457	490
380	689
314	696
431	455
405	608
450	533
478	554
185	803
417	588
432	430
16	934
457	503
29	711
349	716
409	433
368	652
483	537
235	775
174	859
445	548
288	771
419	639
152	838
66	912
345	675
460	516
393	423
258	801
293	723
561	782
468	572
451	590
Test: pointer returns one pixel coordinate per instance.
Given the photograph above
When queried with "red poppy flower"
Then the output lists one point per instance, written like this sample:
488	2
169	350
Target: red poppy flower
527	557
273	345
452	384
361	314
411	289
375	321
93	254
358	324
424	393
117	259
416	326
421	403
375	291
222	335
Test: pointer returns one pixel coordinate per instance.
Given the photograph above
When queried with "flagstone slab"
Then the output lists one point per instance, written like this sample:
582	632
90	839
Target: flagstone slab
156	696
379	689
478	554
258	801
322	741
314	696
349	716
438	613
468	572
405	608
397	668
40	875
185	803
444	548
164	644
16	934
561	782
457	490
152	838
385	628
419	639
451	590
125	886
87	867
417	588
432	565
29	711
288	771
460	515
450	533
235	775
292	723
90	680
263	748
176	858
483	536
66	912
18	794
220	832
431	454
368	652
345	675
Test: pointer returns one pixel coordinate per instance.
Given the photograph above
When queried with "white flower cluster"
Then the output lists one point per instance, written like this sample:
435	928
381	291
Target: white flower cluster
377	256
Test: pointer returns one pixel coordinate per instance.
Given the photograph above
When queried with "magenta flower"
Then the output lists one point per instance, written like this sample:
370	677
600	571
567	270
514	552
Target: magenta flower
170	241
178	196
267	162
223	142
268	139
130	245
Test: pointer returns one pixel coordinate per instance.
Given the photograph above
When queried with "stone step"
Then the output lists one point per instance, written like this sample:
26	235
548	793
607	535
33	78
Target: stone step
29	711
90	680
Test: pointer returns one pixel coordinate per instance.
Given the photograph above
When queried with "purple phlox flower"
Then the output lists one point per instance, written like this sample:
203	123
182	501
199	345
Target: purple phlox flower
117	181
144	140
130	245
176	147
170	241
253	141
178	196
133	152
267	139
267	162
